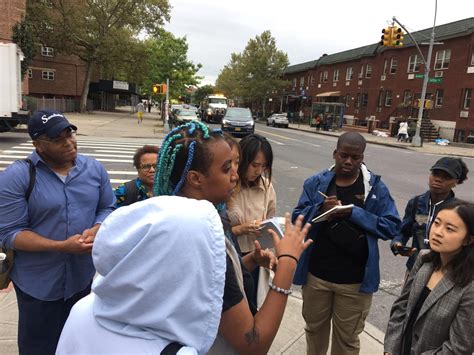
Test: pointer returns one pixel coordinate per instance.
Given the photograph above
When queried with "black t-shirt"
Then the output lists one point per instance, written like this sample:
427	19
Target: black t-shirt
408	333
340	252
232	293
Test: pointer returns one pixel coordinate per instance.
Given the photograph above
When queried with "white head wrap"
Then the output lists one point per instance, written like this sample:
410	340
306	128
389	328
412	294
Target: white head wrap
162	267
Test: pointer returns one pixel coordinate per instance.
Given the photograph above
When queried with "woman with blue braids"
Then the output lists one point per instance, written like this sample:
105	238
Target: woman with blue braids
197	163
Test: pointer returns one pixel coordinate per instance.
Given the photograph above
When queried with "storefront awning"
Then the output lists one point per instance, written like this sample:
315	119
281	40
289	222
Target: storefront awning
329	94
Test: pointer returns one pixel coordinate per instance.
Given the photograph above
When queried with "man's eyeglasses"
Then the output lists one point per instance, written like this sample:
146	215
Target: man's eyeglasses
63	137
147	167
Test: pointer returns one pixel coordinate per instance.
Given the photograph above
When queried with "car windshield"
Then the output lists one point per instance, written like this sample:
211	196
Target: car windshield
218	101
238	114
186	113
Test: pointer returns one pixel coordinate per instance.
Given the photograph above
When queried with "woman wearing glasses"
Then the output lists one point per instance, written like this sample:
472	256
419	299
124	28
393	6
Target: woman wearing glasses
141	188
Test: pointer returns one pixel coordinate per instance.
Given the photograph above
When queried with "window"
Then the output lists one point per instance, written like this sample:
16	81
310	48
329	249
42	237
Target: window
335	75
385	65
302	81
347	99
361	73
407	97
312	80
393	65
294	82
439	97
472	58
388	98
442	59
325	76
357	101
321	77
47	51
368	71
380	99
466	102
29	73
349	73
47	74
414	64
365	100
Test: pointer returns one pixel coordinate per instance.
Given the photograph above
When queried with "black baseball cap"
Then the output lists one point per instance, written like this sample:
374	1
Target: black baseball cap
49	122
450	165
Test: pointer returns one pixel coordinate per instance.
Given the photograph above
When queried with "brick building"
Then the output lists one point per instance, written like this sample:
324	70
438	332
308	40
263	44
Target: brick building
383	84
12	12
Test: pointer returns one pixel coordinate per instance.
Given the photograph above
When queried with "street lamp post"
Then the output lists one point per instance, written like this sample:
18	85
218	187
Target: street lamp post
417	139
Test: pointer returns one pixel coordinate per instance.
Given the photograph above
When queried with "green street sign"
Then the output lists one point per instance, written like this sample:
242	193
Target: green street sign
419	76
435	80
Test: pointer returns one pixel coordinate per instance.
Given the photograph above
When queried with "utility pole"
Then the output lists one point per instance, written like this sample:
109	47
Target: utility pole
417	139
166	127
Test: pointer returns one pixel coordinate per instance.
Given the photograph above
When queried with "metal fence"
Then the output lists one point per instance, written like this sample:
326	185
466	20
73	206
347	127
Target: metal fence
63	105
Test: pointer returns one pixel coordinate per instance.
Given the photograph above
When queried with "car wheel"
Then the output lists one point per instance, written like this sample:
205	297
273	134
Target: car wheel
273	124
286	126
268	124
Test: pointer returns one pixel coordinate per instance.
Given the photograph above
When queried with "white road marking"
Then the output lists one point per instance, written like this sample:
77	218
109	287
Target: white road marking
107	155
276	142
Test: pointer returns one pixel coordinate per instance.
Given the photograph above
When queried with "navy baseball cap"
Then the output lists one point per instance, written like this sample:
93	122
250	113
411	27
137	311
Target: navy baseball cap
48	122
450	165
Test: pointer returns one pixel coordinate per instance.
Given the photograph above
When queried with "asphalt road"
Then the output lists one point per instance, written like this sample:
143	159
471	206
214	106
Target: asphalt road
297	155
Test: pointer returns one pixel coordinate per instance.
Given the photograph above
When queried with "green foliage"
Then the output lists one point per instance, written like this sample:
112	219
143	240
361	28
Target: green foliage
23	36
255	74
202	92
100	32
167	58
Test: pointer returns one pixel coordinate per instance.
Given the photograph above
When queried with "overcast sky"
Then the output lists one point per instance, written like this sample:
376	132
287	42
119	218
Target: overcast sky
304	29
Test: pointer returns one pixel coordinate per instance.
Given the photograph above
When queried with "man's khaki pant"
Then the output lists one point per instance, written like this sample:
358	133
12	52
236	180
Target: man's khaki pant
348	309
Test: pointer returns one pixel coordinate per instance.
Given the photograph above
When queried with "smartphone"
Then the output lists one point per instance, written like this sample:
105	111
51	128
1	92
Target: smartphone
404	251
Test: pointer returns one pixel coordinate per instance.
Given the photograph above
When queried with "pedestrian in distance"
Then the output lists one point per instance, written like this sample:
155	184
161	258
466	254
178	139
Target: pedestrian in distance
52	230
421	210
340	271
141	188
197	163
434	313
403	132
150	105
148	298
411	130
140	110
254	201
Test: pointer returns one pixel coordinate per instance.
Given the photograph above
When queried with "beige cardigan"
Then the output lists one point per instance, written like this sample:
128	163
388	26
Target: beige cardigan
248	204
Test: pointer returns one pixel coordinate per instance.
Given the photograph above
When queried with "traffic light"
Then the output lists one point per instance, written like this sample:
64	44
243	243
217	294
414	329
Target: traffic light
397	37
386	37
160	88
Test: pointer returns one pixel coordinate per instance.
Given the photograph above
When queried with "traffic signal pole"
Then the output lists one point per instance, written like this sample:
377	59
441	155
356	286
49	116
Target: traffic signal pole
417	139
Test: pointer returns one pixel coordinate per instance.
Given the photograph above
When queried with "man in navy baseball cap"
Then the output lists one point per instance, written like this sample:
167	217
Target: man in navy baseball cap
48	122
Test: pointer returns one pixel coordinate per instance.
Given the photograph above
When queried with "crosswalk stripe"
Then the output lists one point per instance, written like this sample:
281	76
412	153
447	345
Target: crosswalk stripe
107	155
13	156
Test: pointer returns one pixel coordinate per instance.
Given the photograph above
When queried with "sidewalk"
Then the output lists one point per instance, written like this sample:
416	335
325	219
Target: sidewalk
466	150
290	338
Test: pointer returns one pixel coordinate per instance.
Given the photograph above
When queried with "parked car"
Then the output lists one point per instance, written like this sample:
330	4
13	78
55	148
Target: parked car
184	115
238	121
278	119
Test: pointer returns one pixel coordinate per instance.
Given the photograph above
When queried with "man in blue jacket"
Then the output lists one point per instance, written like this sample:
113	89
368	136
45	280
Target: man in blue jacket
340	270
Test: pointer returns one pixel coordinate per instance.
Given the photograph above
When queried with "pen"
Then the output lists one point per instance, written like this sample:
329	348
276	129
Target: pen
324	195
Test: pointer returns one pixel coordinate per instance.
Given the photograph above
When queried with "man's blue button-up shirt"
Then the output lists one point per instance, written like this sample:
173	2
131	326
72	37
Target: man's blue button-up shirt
55	210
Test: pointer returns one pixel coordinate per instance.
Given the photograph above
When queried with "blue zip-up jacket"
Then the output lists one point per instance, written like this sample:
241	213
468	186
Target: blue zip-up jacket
378	217
417	229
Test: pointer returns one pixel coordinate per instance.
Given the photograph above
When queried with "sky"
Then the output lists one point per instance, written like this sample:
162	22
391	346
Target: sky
304	29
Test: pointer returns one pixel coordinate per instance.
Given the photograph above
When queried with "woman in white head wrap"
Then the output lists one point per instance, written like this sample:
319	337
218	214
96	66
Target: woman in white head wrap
151	290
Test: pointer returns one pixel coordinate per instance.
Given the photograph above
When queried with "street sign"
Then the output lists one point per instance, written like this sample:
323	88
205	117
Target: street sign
419	76
435	80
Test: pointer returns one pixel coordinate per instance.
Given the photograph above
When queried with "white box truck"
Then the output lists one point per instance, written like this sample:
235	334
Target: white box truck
11	113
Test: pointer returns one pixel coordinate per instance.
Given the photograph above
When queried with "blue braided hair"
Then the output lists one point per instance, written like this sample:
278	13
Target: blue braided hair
183	149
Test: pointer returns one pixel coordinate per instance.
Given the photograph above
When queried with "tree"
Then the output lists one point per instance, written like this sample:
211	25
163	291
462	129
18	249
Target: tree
94	30
202	92
167	59
23	36
255	74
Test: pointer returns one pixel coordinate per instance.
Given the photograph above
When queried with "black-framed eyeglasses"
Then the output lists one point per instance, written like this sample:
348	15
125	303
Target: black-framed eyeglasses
147	167
71	134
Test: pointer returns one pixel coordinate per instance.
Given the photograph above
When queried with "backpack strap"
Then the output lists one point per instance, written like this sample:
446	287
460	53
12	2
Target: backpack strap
172	348
131	192
32	173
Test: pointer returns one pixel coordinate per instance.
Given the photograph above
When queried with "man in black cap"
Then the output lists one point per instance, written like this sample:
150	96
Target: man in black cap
51	229
421	210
